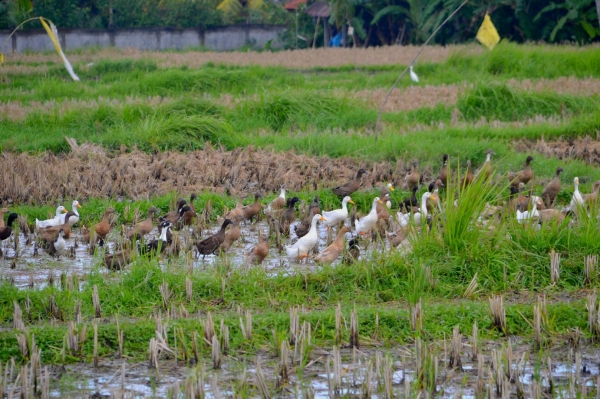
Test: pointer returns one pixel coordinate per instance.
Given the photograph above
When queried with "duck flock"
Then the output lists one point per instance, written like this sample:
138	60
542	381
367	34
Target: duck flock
179	230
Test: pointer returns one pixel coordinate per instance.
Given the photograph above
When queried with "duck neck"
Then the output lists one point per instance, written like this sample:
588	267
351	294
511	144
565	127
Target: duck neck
488	157
163	234
282	193
424	205
577	187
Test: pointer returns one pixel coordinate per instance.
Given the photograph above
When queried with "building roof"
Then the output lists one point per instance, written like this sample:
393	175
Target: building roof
294	5
318	9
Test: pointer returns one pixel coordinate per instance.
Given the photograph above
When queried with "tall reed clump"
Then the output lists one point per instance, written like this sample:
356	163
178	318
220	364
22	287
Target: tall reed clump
498	101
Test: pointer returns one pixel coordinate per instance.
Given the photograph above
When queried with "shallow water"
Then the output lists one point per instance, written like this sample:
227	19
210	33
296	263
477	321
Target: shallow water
119	378
30	270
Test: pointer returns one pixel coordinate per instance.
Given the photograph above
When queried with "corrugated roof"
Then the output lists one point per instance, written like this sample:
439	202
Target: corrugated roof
318	9
294	5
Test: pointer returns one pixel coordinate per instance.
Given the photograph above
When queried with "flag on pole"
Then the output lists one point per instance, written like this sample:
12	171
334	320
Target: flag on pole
487	33
53	33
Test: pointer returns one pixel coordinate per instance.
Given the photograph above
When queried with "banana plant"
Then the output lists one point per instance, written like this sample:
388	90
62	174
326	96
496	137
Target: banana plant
572	12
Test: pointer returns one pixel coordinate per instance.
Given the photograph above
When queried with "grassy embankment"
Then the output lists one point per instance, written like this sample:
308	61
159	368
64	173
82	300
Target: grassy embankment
134	103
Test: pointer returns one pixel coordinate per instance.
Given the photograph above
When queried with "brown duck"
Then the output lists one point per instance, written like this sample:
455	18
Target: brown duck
288	216
173	216
468	179
523	176
103	228
253	209
5	231
332	252
212	243
231	235
236	214
259	252
303	227
119	259
50	234
552	189
592	197
443	176
188	216
351	186
412	179
142	228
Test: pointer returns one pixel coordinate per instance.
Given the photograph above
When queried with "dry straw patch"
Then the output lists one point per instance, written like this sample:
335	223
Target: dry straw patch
321	57
412	97
586	149
561	85
89	171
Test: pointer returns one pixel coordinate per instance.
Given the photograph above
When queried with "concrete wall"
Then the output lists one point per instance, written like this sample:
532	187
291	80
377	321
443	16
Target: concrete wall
217	39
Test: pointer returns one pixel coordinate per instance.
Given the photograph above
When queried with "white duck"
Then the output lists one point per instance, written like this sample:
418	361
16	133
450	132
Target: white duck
366	224
525	216
302	247
73	219
51	222
577	199
403	219
423	210
60	244
337	216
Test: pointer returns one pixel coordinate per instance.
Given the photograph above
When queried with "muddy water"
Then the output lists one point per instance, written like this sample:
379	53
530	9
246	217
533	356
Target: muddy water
27	269
358	369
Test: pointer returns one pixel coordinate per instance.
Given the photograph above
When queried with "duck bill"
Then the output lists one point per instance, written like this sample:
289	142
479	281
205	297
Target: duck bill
78	206
352	202
380	201
391	188
323	219
65	210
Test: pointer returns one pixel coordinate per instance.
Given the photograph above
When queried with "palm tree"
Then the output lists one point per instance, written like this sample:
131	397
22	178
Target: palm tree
240	8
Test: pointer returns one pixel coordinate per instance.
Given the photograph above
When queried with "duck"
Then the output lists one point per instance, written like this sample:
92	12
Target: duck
552	189
211	244
547	215
55	221
524	175
443	176
352	253
142	228
367	223
252	210
485	172
592	197
50	234
423	213
163	241
434	199
187	217
350	187
524	215
277	204
300	249
73	218
231	235
397	237
333	251
236	214
468	179
577	198
174	216
304	226
337	216
412	179
259	252
56	248
411	201
5	231
3	212
315	205
403	218
288	216
103	228
383	212
119	259
386	191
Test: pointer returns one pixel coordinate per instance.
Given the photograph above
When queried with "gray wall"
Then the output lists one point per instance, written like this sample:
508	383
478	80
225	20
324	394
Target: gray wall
217	39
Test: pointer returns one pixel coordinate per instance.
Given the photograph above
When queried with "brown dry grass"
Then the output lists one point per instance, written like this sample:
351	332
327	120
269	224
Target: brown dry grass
561	85
586	149
321	57
88	171
411	98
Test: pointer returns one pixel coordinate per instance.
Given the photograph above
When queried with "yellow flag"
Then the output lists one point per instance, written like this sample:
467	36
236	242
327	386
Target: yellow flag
1	58
53	33
487	34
